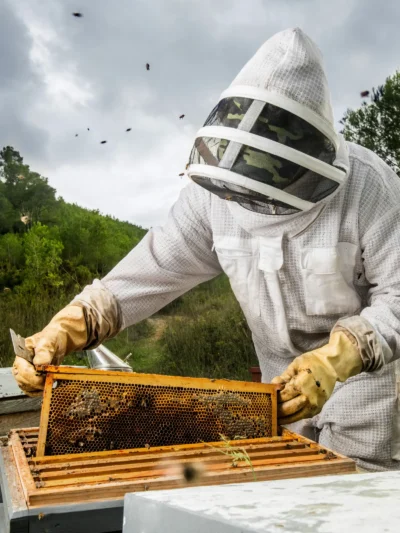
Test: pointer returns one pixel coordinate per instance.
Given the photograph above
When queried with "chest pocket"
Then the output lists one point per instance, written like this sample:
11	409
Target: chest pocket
239	259
328	275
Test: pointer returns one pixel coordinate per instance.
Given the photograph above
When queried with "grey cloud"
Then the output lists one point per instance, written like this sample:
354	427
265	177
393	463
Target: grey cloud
195	49
14	46
18	87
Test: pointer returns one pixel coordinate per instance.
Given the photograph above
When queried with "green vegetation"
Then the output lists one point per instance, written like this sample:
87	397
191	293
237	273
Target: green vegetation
235	453
49	250
376	125
203	334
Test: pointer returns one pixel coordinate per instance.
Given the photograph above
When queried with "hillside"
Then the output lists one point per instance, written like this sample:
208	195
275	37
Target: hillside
50	249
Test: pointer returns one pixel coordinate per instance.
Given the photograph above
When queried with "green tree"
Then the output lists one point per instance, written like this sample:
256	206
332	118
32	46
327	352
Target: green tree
11	260
42	259
49	249
28	193
9	216
376	125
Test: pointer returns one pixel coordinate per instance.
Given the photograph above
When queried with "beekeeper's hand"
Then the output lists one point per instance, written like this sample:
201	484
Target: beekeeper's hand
310	379
92	317
66	332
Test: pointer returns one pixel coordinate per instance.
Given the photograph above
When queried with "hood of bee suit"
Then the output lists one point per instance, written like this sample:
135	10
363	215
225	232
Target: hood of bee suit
270	142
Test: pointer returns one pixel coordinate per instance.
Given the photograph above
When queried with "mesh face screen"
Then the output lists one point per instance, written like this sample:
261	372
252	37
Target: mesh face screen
264	168
88	416
277	125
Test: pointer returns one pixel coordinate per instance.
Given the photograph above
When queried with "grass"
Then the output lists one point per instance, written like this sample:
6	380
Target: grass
138	340
25	316
212	339
236	453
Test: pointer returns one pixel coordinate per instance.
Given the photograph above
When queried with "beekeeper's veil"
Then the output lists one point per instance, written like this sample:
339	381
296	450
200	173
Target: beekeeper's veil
270	140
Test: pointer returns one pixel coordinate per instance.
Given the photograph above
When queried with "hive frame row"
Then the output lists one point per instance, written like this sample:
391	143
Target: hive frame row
105	476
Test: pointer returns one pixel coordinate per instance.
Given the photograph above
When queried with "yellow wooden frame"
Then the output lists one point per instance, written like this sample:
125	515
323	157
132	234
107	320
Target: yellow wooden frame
54	373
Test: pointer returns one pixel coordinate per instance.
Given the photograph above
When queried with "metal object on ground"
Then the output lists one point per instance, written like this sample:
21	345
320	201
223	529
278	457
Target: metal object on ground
366	503
103	476
87	410
19	347
101	358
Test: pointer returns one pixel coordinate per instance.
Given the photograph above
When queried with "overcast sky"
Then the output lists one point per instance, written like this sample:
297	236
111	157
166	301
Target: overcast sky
60	75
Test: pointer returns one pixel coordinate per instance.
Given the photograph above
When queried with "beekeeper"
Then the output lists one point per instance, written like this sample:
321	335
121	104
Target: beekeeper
310	240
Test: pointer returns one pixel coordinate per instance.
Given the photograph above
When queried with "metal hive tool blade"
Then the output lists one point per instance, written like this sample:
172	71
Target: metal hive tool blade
19	347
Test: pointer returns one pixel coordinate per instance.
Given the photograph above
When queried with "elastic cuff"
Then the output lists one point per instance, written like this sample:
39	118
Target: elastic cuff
103	314
373	348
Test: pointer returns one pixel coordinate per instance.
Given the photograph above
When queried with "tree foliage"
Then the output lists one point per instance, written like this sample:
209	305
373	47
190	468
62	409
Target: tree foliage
376	125
42	250
49	249
48	256
47	244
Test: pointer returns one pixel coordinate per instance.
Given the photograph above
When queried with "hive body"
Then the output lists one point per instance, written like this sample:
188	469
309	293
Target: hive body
101	476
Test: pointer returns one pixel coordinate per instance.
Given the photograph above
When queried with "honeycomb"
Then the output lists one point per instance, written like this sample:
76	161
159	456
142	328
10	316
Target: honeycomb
90	416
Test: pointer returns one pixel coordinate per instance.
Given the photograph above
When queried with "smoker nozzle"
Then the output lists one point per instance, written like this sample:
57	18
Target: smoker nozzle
101	358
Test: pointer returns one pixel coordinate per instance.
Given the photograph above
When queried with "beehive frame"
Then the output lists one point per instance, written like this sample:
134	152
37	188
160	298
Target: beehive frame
87	410
101	476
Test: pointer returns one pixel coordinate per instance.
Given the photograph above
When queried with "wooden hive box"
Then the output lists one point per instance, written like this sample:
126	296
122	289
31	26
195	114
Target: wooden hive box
102	476
104	434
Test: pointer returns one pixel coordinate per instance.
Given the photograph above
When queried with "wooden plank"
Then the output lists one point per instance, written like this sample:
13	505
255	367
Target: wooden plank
10	483
112	468
15	420
110	454
165	450
19	405
305	440
204	454
274	411
65	373
222	465
21	462
34	431
168	450
114	490
44	419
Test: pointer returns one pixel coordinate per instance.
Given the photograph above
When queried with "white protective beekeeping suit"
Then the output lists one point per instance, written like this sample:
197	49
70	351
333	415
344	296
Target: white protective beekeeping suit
297	275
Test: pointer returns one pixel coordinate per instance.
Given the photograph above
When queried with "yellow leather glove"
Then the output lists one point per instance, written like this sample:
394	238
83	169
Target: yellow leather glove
65	333
310	379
